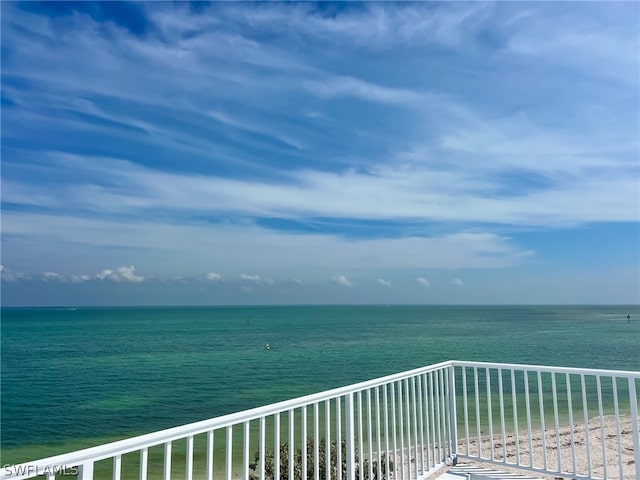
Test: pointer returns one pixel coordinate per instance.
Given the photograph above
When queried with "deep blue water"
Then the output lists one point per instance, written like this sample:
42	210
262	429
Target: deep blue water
73	378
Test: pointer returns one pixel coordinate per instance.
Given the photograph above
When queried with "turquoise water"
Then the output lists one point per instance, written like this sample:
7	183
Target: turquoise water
75	378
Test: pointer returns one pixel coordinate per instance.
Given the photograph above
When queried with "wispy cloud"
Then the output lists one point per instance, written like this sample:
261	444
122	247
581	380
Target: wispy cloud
383	282
289	119
423	282
214	277
251	278
342	281
457	282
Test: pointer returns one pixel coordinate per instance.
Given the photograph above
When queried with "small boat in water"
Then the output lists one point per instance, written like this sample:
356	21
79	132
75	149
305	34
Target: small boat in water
267	346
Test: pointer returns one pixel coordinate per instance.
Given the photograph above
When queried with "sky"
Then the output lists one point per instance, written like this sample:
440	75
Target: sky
178	153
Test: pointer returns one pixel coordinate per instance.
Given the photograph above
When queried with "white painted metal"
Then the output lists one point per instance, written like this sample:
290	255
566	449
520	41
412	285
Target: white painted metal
425	417
144	458
117	467
304	445
276	446
189	463
291	447
245	452
327	436
261	447
166	470
350	434
502	424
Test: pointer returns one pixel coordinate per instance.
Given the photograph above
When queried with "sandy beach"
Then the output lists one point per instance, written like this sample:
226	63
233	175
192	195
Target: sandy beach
612	458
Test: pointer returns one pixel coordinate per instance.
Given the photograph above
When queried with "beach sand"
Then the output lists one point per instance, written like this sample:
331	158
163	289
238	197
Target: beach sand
616	455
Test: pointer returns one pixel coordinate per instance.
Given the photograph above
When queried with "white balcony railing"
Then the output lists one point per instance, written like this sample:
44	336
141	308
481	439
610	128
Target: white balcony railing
406	426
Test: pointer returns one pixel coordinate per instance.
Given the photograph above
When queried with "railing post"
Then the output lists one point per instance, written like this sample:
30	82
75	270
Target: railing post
85	471
634	423
350	437
453	416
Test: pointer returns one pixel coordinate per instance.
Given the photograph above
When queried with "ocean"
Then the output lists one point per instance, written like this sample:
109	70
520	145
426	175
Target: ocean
73	378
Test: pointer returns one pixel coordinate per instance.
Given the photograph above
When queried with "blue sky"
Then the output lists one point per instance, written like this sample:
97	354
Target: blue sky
239	153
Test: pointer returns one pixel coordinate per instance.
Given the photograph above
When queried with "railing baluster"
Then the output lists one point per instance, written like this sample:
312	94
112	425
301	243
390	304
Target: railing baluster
443	413
209	471
393	430
338	438
189	462
490	413
166	470
408	421
616	410
303	433
117	467
229	454
633	400
262	447
427	426
403	468
369	434
144	463
502	424
85	471
437	388
527	403
570	406
453	415
556	419
421	423
542	425
477	399
360	438
432	398
350	440
465	407
327	439
385	404
304	443
585	412
245	450
292	445
602	439
276	446
316	441
515	415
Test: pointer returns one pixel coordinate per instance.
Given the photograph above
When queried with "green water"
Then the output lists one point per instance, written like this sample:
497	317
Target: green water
77	378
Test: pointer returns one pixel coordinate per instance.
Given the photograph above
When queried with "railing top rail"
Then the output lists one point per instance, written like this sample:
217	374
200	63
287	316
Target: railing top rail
133	444
543	368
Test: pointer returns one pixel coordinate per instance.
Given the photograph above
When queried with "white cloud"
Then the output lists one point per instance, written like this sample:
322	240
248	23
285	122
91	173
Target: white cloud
423	281
9	275
383	282
105	273
251	278
214	277
245	246
408	193
49	276
80	278
122	274
457	282
1	268
342	281
128	274
297	280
